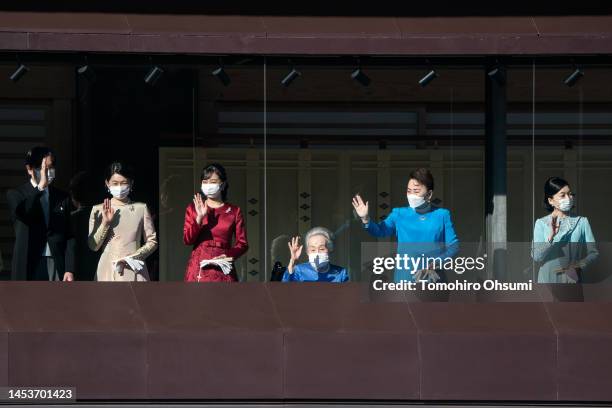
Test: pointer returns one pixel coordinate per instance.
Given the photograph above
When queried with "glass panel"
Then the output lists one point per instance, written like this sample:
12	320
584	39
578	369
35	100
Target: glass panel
335	131
228	120
573	124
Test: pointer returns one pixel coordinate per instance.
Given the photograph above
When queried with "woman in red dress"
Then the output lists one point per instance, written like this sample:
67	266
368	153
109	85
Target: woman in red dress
210	225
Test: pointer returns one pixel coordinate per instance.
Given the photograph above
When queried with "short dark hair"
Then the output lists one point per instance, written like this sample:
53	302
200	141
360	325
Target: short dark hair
35	155
551	187
219	170
120	168
423	176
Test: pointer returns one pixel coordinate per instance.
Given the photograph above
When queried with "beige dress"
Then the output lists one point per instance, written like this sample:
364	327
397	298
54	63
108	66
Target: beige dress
131	233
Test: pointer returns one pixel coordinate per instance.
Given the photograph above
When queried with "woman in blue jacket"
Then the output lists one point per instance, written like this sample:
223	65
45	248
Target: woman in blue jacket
422	229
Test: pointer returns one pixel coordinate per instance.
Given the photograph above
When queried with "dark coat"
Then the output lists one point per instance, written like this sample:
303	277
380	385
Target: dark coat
32	232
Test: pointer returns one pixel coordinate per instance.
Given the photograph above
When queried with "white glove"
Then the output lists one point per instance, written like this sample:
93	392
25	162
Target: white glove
224	264
134	264
429	275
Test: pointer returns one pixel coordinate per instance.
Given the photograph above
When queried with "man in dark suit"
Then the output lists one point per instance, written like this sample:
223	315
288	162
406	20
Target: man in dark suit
44	246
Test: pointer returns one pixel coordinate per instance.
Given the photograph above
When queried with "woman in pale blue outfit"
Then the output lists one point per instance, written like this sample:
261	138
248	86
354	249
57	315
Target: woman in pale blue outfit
422	229
319	244
562	242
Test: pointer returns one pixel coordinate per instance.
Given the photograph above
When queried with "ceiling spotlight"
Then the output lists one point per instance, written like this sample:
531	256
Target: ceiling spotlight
19	72
222	76
573	77
153	75
287	80
360	77
430	76
244	61
87	72
498	74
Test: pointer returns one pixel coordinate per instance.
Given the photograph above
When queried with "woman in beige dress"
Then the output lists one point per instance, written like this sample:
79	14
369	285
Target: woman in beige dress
123	229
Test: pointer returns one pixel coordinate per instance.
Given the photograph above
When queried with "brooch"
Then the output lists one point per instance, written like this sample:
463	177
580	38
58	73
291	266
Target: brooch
228	210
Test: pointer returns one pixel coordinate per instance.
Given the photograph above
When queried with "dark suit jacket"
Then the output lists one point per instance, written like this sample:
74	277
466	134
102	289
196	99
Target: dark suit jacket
31	231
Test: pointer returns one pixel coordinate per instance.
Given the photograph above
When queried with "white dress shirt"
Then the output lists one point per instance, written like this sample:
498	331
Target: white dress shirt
44	202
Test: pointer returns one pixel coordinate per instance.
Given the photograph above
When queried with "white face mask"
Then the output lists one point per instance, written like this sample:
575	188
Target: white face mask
50	175
318	260
119	192
211	190
566	204
415	201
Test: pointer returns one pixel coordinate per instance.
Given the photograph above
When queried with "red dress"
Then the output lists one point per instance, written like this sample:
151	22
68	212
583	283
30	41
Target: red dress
213	238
